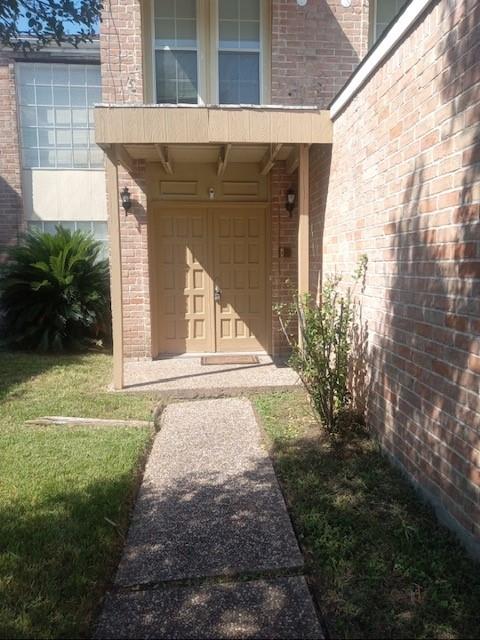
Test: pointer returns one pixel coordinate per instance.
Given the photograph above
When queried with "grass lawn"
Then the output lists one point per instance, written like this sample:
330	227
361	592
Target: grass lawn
378	561
59	488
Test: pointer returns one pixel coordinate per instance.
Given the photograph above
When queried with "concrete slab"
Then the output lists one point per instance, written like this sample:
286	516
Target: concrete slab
279	608
209	503
186	377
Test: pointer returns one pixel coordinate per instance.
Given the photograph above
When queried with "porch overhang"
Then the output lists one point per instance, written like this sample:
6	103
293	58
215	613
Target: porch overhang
160	124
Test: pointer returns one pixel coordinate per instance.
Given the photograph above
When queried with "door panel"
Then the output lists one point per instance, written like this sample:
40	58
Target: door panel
185	287
239	241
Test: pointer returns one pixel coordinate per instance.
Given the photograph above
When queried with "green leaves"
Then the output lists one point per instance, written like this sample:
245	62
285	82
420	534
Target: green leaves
55	292
47	22
322	356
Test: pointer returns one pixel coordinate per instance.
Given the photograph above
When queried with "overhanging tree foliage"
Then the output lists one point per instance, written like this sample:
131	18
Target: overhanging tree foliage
33	24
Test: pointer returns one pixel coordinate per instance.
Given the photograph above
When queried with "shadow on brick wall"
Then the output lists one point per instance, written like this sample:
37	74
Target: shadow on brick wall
10	216
424	381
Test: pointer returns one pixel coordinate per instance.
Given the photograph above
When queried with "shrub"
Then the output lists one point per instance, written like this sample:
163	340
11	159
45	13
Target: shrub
323	355
54	292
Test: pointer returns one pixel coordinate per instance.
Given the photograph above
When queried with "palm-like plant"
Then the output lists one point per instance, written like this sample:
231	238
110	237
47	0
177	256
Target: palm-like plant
54	292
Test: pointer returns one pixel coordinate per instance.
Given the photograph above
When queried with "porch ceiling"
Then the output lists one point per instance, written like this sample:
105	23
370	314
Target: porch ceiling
193	154
170	125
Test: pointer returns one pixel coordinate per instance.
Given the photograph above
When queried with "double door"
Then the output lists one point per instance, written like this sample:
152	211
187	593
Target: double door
211	278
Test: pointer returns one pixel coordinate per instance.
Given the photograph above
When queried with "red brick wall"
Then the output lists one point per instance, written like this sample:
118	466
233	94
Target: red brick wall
10	175
405	189
315	48
284	234
121	52
135	269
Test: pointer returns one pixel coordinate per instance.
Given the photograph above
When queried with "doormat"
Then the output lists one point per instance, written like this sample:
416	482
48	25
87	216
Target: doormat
229	360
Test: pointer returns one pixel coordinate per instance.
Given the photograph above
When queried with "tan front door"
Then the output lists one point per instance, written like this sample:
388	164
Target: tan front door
212	275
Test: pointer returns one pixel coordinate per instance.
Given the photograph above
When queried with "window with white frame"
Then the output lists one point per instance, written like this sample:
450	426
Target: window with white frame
239	51
176	56
209	51
384	12
56	115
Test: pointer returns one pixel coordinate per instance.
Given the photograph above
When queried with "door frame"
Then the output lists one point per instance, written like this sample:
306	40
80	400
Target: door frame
154	210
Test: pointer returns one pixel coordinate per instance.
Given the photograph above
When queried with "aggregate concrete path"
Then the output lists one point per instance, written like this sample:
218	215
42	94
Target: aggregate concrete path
185	377
209	507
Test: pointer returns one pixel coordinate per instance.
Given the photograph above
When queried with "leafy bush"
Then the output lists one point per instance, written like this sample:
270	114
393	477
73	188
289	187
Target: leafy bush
323	355
54	292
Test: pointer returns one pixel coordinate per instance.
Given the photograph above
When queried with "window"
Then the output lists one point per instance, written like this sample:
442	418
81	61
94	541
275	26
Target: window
239	51
56	115
176	72
210	51
384	12
98	229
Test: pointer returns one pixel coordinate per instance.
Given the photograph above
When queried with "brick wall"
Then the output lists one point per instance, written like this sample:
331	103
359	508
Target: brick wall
284	234
135	268
121	52
10	174
315	48
405	189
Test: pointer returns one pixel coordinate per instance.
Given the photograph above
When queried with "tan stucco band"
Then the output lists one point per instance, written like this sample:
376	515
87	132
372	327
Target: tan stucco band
206	125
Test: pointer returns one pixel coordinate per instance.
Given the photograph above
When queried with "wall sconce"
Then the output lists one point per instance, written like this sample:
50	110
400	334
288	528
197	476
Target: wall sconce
290	203
126	201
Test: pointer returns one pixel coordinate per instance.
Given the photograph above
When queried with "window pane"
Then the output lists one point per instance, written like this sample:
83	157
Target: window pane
64	158
86	227
176	76
94	95
164	33
239	78
78	96
228	9
79	117
186	33
27	94
228	34
44	95
77	75
80	137
47	158
64	138
60	74
28	116
67	225
93	75
165	8
50	227
29	137
45	115
249	9
186	9
80	158
100	230
249	35
46	137
63	117
26	73
43	74
30	158
35	225
61	96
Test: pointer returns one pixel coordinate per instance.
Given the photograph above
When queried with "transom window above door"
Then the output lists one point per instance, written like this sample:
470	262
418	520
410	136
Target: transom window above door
210	51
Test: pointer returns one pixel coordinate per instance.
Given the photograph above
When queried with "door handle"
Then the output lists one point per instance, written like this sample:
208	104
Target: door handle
217	293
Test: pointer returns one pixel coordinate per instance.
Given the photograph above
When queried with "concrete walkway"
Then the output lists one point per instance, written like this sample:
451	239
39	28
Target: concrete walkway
185	377
211	552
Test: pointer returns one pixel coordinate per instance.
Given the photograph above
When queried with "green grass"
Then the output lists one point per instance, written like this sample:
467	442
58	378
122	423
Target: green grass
380	564
65	492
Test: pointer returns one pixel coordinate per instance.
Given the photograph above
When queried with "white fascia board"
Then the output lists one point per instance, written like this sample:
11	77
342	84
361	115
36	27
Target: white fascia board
406	19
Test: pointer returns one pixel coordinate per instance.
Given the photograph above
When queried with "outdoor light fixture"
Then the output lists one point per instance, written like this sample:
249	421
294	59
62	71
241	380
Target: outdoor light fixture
290	203
126	201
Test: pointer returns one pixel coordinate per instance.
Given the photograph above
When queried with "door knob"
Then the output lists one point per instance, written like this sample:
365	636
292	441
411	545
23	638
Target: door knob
218	293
